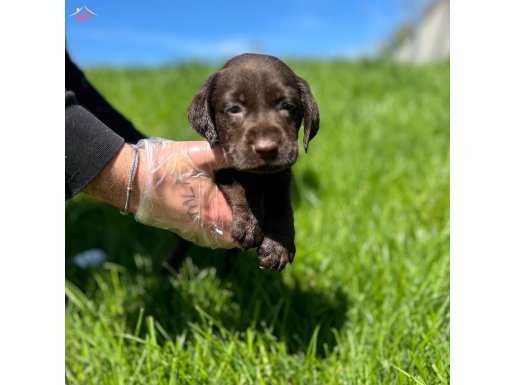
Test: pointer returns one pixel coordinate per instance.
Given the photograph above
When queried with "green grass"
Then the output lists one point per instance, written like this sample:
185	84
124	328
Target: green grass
367	299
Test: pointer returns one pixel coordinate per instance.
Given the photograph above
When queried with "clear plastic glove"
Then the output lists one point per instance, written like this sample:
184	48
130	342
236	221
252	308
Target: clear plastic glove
177	191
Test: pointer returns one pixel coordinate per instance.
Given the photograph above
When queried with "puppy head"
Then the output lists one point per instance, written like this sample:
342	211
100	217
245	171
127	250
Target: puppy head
253	107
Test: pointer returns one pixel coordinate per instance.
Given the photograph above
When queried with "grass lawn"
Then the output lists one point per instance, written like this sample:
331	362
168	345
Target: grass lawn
367	299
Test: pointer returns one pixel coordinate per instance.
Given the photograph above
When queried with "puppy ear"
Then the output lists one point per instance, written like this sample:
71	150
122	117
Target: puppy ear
199	112
311	112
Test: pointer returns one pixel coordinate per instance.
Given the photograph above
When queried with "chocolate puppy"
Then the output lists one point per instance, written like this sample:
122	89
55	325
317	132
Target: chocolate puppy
253	108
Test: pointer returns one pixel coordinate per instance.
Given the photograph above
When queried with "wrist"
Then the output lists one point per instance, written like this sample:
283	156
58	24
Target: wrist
111	184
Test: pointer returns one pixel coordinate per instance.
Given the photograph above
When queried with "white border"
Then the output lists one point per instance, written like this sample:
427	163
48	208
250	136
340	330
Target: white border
32	193
482	192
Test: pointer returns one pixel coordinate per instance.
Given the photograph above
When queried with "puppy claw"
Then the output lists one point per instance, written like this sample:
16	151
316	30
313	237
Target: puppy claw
267	263
282	264
273	255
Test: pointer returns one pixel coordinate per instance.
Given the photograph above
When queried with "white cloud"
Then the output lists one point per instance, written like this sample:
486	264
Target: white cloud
218	48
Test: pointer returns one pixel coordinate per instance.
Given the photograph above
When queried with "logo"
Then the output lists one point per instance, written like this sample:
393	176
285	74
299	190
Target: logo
82	13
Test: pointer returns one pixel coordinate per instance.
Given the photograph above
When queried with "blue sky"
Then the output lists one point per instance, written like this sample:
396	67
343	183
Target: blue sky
155	32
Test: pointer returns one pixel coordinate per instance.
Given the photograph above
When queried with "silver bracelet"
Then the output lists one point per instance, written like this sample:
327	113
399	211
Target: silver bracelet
130	181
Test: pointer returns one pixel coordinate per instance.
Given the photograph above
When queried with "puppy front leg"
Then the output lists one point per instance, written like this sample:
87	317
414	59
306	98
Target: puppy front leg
278	247
245	205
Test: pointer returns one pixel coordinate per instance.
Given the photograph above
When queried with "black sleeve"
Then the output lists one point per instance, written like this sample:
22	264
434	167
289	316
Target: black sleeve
89	146
95	131
88	97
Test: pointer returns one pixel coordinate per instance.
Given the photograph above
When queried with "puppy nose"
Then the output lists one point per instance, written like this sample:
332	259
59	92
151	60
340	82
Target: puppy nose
266	148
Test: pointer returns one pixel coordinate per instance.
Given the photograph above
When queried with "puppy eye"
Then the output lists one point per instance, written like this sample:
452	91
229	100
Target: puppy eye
233	110
287	106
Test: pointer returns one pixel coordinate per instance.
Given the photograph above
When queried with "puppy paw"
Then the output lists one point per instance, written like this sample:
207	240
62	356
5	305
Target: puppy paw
247	232
274	255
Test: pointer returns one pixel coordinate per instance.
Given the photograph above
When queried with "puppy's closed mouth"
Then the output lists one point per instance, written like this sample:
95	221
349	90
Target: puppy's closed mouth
266	169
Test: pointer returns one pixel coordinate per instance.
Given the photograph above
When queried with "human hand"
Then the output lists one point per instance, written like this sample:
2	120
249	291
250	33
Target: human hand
173	189
175	181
